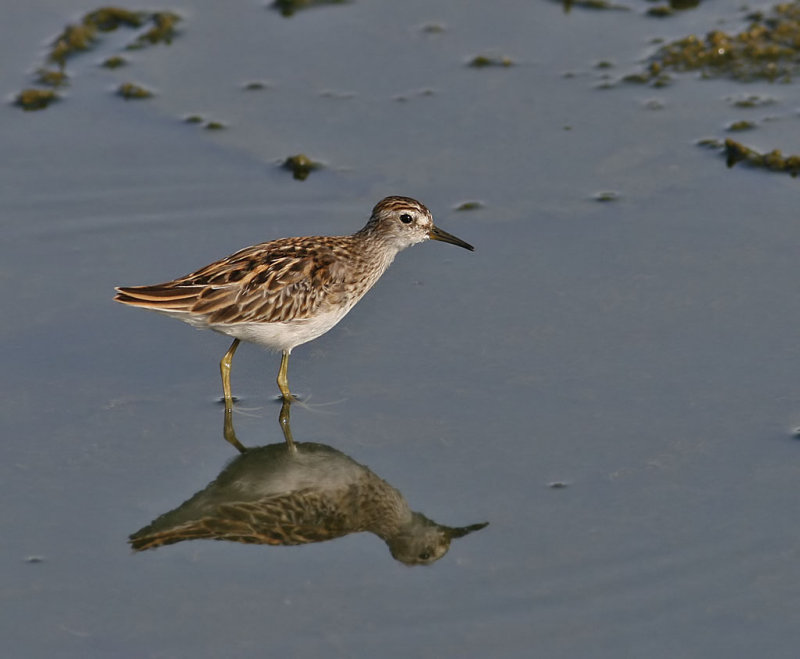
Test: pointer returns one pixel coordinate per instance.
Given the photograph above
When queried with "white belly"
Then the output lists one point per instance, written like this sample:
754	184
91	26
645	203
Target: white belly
283	335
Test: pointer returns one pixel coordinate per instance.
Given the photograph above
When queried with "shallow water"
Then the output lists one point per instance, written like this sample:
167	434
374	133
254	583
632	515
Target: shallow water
641	351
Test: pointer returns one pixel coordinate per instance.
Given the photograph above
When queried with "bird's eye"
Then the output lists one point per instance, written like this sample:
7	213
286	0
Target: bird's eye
424	556
405	218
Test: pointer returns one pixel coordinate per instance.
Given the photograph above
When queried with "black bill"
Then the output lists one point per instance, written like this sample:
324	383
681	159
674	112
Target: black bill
437	234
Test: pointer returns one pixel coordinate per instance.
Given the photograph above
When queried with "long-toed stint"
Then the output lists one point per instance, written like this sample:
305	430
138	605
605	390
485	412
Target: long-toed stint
286	292
273	496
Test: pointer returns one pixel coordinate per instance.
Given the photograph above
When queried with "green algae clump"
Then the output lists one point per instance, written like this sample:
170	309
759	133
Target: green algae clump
606	196
35	99
83	36
736	152
52	78
108	19
768	49
483	61
287	8
469	206
74	39
163	30
773	161
114	62
300	166
129	90
739	126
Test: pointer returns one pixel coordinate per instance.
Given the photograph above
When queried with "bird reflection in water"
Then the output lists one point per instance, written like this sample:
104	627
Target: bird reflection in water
295	493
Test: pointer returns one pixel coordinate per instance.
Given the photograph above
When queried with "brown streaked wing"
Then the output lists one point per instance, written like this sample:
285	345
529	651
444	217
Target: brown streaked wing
292	519
289	282
281	280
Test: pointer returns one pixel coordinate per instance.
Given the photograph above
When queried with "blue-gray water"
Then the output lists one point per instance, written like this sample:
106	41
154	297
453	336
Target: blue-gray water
643	351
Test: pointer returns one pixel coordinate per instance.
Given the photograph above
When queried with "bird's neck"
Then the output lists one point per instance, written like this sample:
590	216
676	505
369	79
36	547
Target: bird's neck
375	250
383	509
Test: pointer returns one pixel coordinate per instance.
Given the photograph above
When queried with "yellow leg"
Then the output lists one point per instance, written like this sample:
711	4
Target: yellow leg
283	420
225	371
283	380
229	433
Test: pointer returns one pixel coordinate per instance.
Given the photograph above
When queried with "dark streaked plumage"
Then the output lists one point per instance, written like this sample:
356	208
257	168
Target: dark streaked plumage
274	495
286	292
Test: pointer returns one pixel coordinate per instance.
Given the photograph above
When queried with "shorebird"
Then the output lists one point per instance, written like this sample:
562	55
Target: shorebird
281	495
283	293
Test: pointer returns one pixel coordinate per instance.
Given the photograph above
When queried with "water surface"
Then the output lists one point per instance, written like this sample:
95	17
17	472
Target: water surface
641	351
